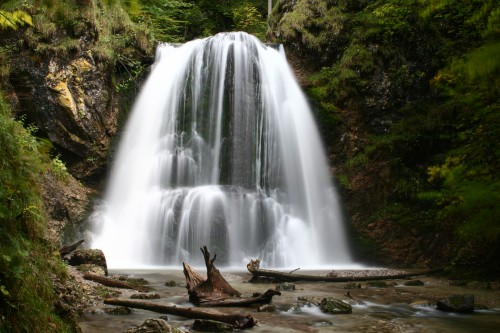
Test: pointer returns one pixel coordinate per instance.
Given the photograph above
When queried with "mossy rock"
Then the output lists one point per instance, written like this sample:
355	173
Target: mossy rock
335	306
457	304
89	256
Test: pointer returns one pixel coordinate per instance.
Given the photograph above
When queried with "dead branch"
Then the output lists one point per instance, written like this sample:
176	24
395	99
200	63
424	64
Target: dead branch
67	249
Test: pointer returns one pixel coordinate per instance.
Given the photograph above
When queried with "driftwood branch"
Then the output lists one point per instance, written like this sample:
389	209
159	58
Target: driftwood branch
264	298
254	267
237	320
215	288
105	281
67	249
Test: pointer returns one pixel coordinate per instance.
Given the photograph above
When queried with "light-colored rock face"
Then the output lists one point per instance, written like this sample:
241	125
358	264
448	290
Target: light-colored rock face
80	114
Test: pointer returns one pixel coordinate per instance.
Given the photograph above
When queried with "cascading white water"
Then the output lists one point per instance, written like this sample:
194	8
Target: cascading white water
220	150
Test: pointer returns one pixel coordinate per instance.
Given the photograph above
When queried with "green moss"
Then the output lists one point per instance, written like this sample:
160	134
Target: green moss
27	262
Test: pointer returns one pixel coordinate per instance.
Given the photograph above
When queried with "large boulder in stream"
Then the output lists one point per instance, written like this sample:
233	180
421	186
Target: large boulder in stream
89	256
334	306
457	304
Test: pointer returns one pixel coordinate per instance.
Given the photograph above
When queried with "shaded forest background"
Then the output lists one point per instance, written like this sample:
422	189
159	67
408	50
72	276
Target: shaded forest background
405	94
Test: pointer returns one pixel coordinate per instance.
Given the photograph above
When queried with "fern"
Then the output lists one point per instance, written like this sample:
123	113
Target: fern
15	19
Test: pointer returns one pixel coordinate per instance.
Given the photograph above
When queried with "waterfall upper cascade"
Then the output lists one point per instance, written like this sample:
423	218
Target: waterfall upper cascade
220	150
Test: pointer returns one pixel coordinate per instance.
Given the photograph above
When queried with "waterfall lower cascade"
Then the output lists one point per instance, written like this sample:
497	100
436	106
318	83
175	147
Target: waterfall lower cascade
220	150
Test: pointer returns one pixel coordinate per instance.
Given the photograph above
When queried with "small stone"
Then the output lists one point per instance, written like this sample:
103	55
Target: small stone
267	308
285	286
335	306
414	283
154	325
457	303
121	310
171	283
211	326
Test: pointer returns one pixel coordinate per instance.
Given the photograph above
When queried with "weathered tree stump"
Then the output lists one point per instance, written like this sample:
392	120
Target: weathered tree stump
214	288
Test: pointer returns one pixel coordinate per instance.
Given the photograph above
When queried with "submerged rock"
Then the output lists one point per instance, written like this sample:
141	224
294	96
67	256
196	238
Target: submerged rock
457	303
335	306
352	285
285	286
414	283
121	310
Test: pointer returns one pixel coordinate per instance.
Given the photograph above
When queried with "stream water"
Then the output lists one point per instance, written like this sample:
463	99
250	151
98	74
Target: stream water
395	309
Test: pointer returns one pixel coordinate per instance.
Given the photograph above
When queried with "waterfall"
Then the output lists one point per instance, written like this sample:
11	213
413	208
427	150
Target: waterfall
220	150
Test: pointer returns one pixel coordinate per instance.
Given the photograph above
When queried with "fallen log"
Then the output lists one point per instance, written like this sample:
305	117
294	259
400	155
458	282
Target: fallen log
105	281
254	268
67	249
237	320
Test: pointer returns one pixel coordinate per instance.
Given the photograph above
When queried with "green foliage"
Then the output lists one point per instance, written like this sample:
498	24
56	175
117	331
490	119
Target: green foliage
15	19
420	78
26	261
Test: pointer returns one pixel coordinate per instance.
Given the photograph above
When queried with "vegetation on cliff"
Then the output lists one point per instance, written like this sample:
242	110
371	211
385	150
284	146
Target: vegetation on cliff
28	263
414	87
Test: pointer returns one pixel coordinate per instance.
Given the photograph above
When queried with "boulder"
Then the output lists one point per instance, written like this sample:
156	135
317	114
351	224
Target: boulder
89	256
120	310
154	325
457	304
334	306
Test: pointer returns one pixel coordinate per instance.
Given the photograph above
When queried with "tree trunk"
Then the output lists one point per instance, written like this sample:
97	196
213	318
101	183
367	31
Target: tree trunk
253	267
237	320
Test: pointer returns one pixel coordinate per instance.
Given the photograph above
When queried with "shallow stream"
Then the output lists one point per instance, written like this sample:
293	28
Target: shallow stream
396	308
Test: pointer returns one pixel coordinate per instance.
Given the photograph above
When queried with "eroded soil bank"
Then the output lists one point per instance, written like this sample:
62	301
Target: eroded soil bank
392	309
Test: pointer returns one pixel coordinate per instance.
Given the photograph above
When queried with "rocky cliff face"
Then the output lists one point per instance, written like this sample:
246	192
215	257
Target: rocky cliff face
73	103
75	96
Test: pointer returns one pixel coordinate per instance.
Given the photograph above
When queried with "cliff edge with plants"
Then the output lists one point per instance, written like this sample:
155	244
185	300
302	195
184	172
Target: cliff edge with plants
406	94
